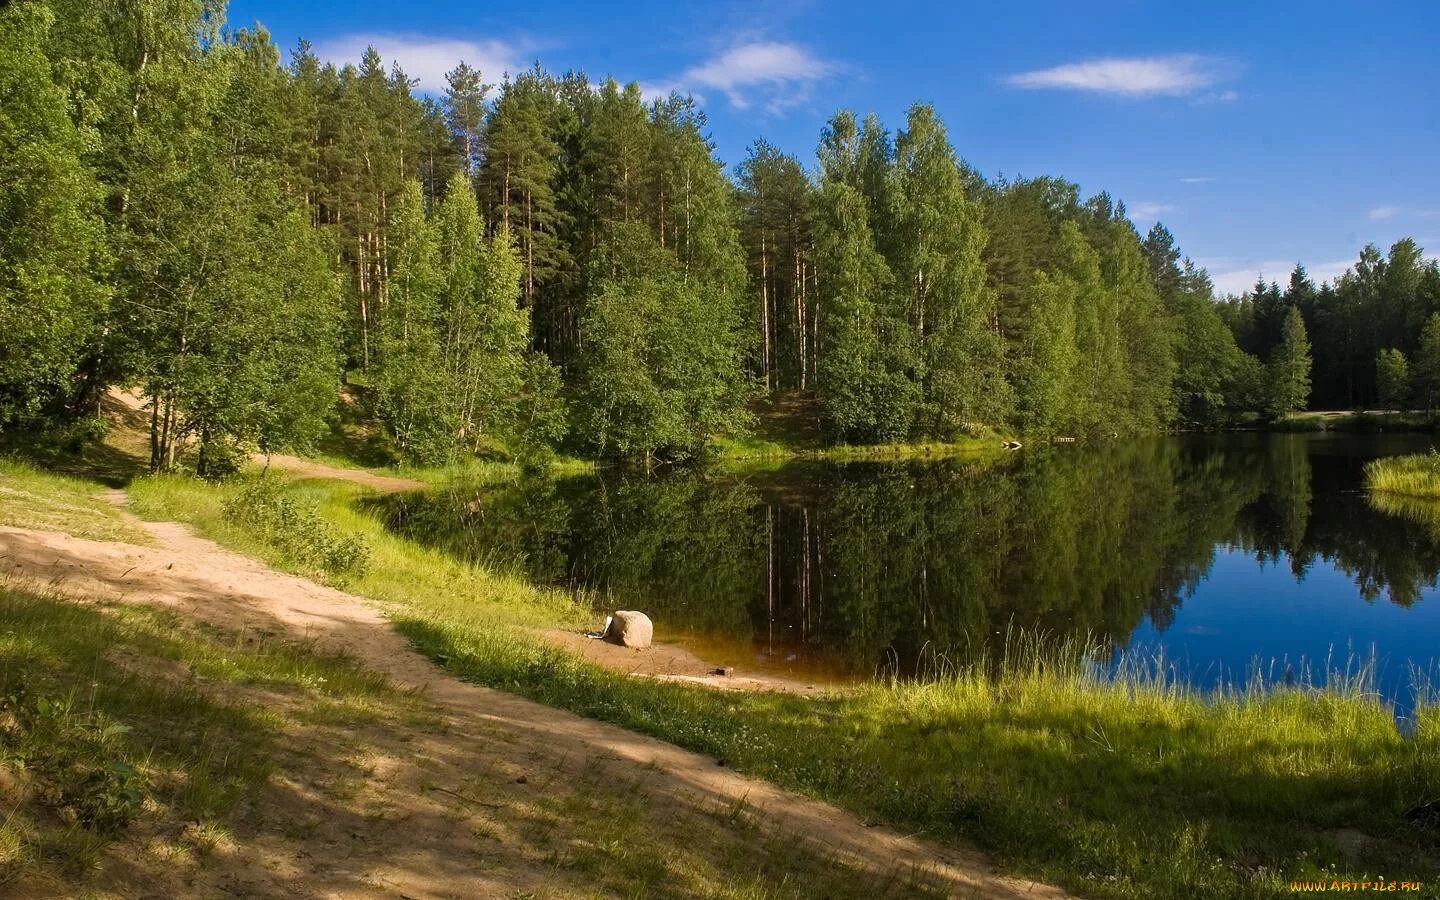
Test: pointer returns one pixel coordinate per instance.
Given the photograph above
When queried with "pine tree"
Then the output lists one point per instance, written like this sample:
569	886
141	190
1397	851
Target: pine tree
1163	259
1289	368
617	153
519	175
775	206
1427	363
465	114
1392	379
1270	313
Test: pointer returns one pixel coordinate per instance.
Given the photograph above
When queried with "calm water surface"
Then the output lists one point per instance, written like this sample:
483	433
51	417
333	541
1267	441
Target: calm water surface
1219	552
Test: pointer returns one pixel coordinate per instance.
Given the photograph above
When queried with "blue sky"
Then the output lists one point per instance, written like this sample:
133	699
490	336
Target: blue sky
1260	133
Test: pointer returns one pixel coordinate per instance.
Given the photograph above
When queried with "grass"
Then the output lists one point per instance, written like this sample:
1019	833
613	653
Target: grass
135	748
1357	420
1128	789
760	448
1413	476
606	833
119	720
397	570
1137	787
30	498
788	426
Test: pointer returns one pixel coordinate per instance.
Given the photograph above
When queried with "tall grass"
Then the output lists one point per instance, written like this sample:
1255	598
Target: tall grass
1417	475
1124	783
1124	787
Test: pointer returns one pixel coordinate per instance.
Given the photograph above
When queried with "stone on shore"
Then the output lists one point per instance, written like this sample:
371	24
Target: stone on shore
631	629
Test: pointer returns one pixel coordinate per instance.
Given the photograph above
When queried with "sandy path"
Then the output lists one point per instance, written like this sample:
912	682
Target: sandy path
309	468
205	581
671	662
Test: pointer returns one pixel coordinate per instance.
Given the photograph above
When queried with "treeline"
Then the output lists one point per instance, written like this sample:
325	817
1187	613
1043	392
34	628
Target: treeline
548	261
1375	331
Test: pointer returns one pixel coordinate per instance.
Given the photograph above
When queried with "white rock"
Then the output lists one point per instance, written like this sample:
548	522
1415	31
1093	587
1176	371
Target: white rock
631	629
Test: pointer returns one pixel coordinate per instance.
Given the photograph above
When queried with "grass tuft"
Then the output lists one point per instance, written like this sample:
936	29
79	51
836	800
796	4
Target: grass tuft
1417	475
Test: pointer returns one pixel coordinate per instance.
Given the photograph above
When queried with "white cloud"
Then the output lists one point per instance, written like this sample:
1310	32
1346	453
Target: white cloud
780	74
1241	278
659	90
1176	75
1380	213
427	59
1198	179
1147	211
1218	97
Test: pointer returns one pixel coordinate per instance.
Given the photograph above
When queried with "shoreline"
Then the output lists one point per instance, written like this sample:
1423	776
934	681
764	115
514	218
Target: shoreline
1085	783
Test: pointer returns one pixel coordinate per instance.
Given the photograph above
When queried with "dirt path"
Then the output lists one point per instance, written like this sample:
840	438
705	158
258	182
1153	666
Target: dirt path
207	582
309	468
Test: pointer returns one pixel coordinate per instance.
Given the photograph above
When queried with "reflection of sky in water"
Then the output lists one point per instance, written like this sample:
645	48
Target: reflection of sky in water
1246	610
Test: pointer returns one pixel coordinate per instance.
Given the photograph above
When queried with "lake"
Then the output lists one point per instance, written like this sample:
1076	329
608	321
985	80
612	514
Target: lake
1217	554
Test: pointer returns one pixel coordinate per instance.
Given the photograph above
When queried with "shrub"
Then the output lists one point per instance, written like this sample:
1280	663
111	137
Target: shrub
298	531
77	760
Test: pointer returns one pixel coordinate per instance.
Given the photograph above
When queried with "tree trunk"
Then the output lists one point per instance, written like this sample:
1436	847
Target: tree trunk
154	434
765	310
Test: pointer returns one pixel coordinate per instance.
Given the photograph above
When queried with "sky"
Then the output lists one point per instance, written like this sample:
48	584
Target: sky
1262	134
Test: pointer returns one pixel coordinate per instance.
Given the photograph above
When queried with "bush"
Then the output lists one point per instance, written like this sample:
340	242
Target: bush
77	760
220	458
298	531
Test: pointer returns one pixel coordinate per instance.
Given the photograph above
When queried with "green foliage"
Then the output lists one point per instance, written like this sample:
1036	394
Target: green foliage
1288	372
1427	363
79	758
53	255
934	251
540	415
229	233
298	531
776	198
407	375
518	177
1392	379
451	368
661	370
1048	358
862	380
1383	302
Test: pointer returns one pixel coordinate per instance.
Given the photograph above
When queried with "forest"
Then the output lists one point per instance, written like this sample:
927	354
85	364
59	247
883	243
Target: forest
537	261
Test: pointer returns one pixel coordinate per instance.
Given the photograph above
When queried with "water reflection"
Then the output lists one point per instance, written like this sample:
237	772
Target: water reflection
852	567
